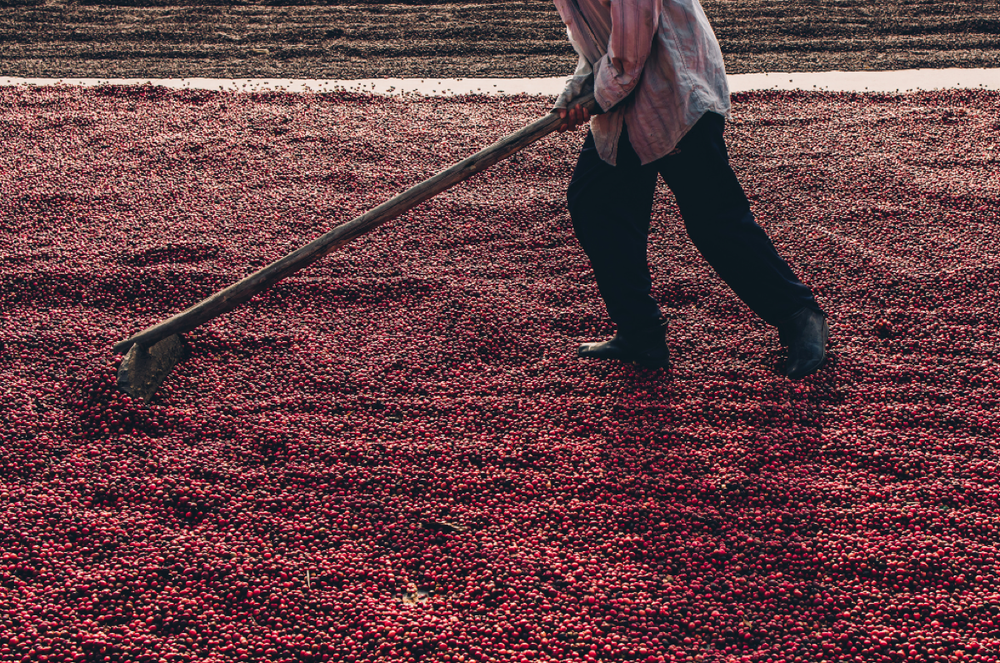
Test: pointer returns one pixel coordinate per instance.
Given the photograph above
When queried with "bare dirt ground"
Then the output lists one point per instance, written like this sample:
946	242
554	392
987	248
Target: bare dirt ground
430	38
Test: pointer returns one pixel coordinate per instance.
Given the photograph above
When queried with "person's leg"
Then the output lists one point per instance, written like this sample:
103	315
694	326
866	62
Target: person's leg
610	208
718	219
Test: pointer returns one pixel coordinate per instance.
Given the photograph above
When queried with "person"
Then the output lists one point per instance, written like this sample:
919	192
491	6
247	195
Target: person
658	77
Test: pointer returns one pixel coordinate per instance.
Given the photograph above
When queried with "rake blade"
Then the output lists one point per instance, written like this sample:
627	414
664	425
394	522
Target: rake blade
144	369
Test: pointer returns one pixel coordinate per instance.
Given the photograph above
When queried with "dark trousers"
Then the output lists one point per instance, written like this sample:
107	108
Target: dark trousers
611	207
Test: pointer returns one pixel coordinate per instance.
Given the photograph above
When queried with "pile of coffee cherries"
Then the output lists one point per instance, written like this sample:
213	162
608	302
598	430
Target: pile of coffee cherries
395	455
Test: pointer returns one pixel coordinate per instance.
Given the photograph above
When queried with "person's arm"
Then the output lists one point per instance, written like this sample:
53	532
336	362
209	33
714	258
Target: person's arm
633	26
582	78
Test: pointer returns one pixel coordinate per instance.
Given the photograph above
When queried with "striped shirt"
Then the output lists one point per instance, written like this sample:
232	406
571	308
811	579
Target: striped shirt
656	64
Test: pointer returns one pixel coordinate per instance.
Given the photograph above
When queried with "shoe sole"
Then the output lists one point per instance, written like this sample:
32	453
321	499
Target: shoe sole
664	363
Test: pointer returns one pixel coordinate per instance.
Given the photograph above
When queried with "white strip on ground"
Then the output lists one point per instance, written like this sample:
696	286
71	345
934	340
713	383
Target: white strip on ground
834	81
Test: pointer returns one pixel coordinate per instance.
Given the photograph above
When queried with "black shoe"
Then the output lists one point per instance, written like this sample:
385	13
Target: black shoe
805	334
647	348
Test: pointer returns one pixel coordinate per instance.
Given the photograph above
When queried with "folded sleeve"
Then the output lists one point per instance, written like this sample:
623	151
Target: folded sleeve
633	26
576	82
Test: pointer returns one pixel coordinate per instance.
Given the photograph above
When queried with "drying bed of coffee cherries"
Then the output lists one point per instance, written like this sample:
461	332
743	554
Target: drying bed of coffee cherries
395	455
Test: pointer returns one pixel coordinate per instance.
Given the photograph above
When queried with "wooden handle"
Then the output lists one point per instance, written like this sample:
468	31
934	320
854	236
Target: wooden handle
231	297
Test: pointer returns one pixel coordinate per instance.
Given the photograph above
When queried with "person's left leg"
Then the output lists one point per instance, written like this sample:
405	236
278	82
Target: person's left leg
610	208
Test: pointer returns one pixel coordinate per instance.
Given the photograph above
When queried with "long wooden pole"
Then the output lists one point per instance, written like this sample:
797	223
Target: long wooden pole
241	291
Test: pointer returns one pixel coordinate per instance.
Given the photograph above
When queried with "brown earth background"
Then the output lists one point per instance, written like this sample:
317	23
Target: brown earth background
489	38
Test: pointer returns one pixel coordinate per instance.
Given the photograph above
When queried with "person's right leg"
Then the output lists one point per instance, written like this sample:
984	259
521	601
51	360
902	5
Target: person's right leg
719	221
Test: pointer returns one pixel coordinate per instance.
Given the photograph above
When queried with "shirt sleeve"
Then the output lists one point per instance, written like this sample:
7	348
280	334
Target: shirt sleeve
633	26
575	83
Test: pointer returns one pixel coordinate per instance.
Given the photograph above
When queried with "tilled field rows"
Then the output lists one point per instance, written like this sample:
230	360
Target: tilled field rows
490	38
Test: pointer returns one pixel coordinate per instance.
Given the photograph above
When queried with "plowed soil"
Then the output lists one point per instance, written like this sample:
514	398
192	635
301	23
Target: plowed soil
417	38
